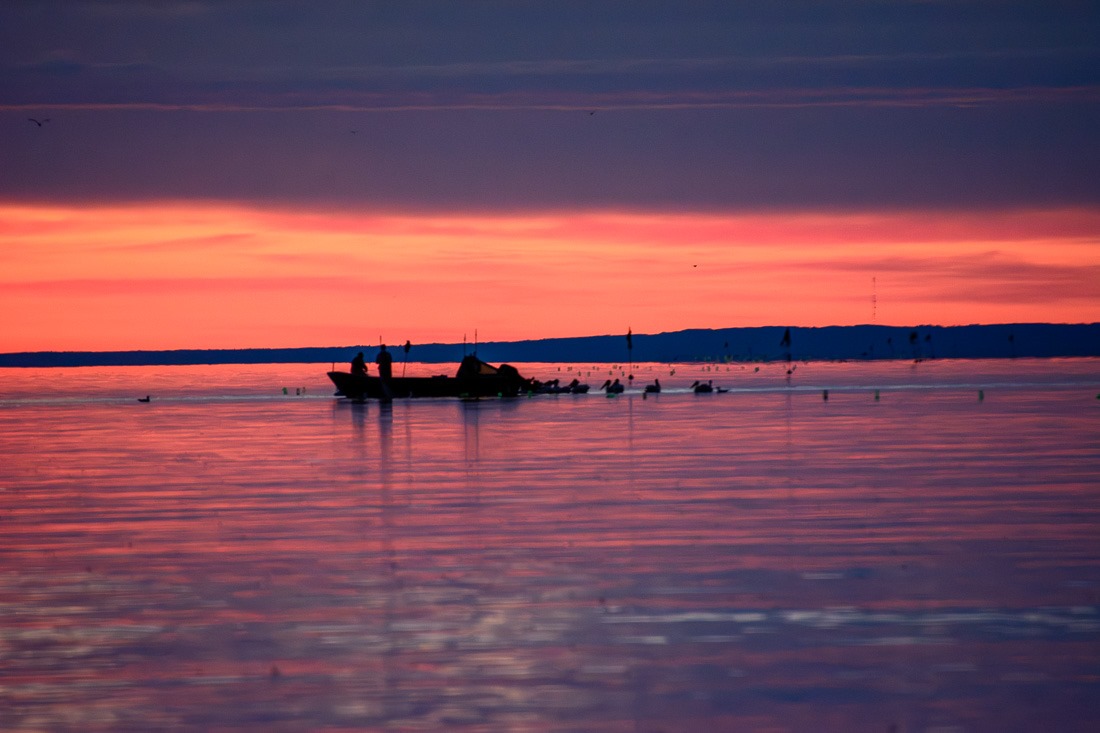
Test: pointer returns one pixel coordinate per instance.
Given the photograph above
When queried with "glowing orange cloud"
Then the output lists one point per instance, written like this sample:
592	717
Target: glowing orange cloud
208	276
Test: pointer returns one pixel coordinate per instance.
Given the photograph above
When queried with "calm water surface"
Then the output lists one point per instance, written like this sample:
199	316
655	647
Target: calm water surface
228	556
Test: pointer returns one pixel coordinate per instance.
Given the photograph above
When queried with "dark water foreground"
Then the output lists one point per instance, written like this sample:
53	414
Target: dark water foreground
230	558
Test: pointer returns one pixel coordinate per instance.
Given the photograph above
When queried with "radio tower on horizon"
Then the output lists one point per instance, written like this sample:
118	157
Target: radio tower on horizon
874	300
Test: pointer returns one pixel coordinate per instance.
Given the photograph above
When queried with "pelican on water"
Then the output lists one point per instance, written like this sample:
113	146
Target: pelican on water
612	387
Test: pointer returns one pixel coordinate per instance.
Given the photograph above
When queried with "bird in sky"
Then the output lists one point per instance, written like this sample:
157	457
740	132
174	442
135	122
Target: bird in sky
39	122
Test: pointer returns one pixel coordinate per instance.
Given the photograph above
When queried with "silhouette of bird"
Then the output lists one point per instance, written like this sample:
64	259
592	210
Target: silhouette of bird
653	388
146	398
612	387
39	122
700	388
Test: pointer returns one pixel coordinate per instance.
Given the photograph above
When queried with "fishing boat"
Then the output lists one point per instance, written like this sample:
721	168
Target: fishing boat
475	379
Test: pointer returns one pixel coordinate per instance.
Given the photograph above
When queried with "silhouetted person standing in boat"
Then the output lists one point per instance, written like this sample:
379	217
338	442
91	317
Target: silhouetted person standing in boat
358	366
385	363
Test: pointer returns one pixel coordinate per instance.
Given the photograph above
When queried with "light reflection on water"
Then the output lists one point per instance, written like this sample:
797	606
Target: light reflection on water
229	557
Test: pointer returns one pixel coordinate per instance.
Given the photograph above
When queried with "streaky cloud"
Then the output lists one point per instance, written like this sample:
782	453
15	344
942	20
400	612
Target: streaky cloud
849	97
117	286
220	241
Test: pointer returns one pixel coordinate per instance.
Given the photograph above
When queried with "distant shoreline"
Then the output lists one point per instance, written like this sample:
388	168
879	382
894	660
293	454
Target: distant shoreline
757	344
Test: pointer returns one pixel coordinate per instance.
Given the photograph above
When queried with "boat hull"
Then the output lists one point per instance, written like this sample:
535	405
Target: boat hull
474	381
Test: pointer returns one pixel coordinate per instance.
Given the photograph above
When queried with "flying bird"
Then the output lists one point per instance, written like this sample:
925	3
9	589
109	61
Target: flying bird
39	122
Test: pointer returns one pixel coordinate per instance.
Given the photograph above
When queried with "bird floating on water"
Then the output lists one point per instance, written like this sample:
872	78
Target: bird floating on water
146	398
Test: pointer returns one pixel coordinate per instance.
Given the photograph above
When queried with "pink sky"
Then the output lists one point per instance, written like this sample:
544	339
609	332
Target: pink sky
209	174
192	275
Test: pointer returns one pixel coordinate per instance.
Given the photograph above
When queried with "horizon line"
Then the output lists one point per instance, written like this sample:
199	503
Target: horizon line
535	340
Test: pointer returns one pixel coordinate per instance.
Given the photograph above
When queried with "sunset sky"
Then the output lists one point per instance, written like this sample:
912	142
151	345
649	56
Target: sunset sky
275	174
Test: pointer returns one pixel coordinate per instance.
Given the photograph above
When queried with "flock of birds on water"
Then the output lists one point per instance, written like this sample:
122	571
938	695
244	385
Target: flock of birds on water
609	387
614	387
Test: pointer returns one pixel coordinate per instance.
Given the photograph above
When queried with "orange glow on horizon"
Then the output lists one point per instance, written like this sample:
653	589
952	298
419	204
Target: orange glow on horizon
171	276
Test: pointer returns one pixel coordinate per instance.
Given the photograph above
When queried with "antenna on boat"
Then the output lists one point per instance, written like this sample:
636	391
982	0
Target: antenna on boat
630	352
475	342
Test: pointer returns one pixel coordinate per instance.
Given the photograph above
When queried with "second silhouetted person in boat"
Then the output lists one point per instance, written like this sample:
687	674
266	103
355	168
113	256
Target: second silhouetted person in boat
385	363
